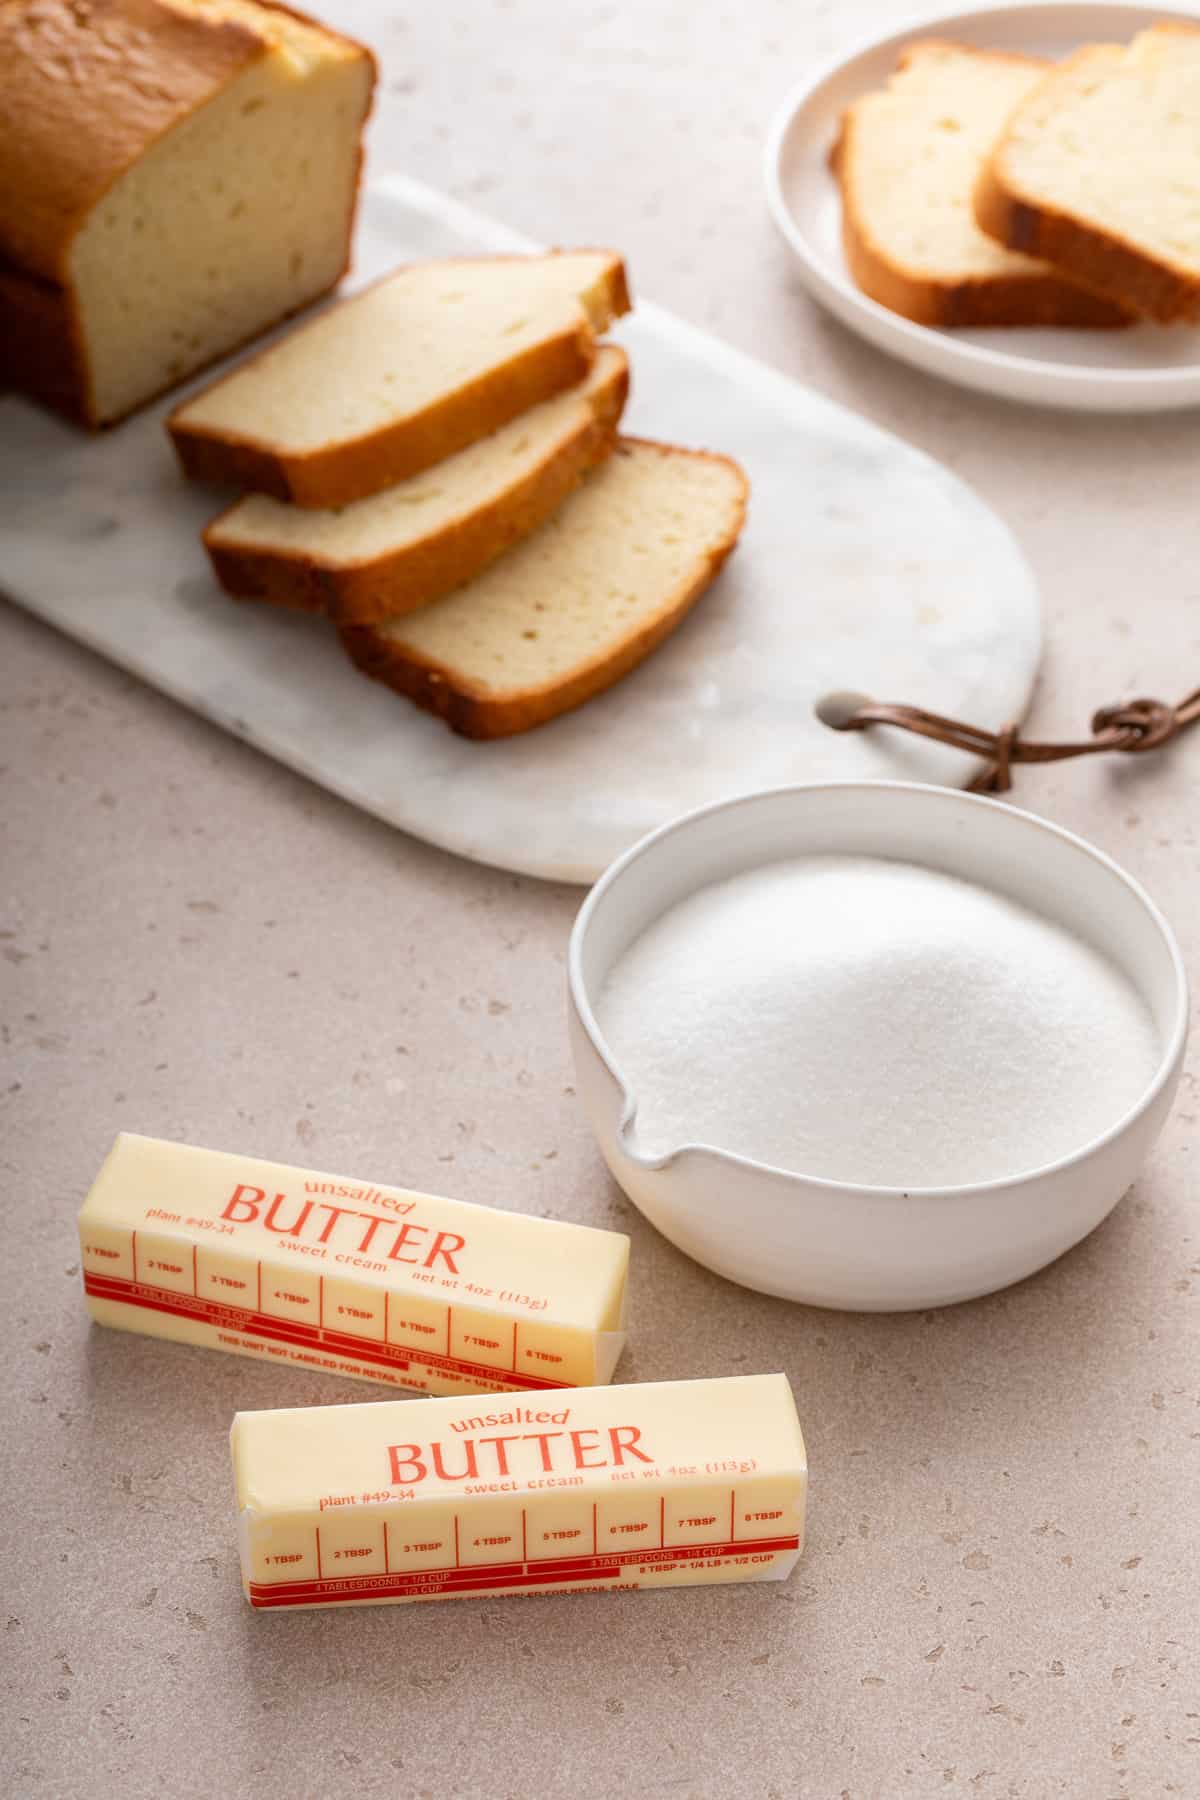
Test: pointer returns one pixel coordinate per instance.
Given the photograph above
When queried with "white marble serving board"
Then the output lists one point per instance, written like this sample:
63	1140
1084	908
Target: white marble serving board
864	565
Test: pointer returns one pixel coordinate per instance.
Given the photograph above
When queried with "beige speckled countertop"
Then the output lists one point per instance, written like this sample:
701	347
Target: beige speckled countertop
1000	1594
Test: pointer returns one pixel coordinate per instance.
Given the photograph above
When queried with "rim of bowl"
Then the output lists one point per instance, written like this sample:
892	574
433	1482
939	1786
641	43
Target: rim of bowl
1173	1045
1068	376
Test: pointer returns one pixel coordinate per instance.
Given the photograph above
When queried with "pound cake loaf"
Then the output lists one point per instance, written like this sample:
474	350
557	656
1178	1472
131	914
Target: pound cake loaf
416	541
402	376
573	608
1099	170
175	177
908	159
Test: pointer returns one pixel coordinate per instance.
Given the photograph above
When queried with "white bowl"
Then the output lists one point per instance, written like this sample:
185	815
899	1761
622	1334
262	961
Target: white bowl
831	1243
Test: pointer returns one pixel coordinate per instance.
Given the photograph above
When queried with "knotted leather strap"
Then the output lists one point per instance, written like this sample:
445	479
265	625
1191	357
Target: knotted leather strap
1132	727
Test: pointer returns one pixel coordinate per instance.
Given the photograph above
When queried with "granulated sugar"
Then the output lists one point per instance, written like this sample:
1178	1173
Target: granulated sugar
873	1022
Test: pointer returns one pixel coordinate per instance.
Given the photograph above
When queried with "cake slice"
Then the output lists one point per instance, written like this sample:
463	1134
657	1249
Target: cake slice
1099	169
416	541
175	177
411	371
908	159
576	606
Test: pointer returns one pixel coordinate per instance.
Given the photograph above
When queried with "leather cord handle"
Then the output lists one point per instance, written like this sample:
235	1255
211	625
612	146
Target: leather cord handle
1132	727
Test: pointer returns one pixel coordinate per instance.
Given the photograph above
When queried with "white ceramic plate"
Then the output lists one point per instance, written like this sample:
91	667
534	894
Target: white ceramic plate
1148	368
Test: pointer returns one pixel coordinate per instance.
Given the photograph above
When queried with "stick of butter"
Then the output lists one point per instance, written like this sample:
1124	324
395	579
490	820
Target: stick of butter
655	1485
285	1264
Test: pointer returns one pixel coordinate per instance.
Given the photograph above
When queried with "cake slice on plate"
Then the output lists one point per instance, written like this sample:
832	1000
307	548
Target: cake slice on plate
573	608
414	542
1099	169
401	376
908	159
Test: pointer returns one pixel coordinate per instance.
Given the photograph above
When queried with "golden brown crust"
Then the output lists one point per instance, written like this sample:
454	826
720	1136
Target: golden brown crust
86	86
341	473
999	300
386	587
988	300
42	353
41	347
617	299
1108	264
474	712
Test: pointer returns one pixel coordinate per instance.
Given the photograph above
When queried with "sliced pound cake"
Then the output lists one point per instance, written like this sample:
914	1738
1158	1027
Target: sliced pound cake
416	541
573	608
175	177
908	159
401	376
1099	169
